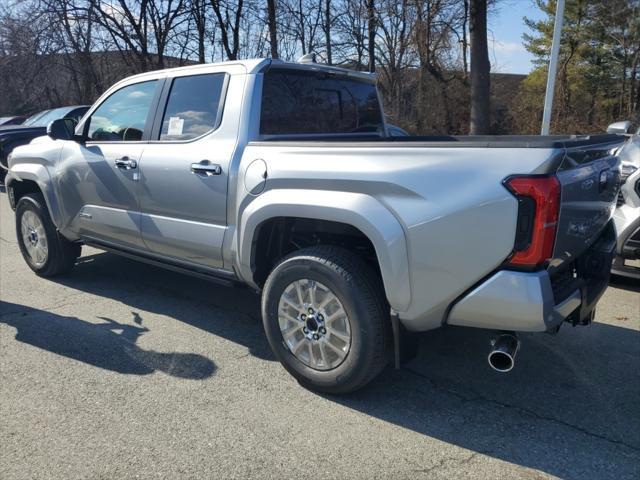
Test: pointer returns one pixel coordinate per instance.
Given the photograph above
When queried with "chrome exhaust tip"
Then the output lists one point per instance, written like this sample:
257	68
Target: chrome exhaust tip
503	352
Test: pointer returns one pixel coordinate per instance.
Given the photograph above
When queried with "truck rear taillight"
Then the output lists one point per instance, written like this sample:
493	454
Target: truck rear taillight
538	210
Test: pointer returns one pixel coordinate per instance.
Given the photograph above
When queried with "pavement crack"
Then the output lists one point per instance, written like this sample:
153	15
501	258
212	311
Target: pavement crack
522	410
445	461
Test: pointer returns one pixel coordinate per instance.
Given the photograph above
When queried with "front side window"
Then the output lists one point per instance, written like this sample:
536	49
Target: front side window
192	108
123	115
303	102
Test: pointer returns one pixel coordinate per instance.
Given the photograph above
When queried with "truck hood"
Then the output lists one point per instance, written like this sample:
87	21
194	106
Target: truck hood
20	129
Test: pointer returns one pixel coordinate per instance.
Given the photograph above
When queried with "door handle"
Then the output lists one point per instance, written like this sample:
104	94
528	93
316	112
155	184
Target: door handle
126	163
207	169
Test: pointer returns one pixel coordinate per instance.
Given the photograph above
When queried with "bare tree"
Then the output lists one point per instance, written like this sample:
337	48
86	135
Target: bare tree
23	69
351	27
198	12
304	22
479	123
140	28
67	51
229	16
70	23
327	31
273	29
371	30
465	40
395	25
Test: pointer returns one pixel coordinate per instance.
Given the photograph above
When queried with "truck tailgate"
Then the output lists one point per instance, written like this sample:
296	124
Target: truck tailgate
589	179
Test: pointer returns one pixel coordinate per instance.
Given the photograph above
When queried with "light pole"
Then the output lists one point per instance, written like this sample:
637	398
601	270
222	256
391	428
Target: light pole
553	66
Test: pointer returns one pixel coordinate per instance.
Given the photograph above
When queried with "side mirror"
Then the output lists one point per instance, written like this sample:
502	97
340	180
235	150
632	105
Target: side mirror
62	129
620	127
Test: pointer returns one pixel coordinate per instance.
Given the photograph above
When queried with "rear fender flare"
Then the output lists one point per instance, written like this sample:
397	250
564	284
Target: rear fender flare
361	211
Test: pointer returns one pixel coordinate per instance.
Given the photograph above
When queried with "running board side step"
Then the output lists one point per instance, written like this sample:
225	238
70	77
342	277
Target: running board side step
221	277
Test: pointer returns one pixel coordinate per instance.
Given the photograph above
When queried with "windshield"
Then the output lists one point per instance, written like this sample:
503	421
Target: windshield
43	119
34	117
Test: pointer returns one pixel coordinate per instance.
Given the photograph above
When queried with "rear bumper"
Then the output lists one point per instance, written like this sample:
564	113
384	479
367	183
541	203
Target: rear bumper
535	301
518	301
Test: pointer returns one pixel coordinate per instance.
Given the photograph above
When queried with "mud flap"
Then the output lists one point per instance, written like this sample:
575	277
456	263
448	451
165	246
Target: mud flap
405	343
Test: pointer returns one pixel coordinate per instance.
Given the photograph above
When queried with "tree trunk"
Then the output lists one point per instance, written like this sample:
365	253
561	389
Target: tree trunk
327	29
634	105
231	47
273	32
371	25
480	68
302	28
465	41
632	86
200	13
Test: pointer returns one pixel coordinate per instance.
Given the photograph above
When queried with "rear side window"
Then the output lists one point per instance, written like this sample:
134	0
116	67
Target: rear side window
193	107
301	102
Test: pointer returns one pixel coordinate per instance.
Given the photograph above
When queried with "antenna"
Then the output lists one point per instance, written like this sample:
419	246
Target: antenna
308	58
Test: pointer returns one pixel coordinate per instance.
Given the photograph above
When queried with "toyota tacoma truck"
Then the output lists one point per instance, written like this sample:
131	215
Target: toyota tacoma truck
284	177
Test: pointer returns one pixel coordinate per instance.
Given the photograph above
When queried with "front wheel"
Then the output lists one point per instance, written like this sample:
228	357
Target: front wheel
326	319
43	248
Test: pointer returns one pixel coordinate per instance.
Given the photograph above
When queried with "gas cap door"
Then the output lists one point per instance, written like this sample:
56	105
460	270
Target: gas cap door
255	177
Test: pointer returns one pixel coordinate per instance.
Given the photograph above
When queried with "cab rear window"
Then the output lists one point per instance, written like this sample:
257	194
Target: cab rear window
304	102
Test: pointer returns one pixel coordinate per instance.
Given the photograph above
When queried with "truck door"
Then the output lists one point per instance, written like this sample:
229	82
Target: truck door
184	170
98	178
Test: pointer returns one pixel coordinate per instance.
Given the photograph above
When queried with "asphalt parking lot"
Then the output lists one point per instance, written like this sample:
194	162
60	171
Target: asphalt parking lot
123	370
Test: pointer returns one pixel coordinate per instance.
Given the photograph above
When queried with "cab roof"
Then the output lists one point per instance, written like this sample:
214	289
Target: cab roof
252	66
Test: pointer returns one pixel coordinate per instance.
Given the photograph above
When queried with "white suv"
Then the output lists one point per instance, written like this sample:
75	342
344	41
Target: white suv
627	214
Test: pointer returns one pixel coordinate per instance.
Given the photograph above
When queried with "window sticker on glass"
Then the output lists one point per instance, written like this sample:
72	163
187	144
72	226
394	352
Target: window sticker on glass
176	125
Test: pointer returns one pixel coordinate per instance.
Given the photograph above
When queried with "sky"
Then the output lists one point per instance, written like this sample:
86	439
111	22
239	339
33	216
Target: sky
505	28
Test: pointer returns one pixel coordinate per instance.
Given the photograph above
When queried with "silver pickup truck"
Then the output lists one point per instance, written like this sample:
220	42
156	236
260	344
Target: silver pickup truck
283	176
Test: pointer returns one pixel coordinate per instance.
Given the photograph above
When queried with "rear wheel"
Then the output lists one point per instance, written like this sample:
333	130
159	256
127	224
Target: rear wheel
326	319
46	251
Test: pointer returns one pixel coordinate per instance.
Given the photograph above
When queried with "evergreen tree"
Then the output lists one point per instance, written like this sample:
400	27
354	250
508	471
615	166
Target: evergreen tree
598	70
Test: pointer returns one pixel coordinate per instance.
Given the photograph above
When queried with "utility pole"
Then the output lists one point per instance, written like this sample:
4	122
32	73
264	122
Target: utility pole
553	67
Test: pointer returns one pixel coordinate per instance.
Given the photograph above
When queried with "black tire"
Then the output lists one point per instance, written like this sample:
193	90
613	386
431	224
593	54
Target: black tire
4	166
61	253
359	290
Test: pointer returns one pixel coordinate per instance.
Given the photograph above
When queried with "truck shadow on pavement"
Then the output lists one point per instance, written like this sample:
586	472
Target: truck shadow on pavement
231	313
569	408
109	345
